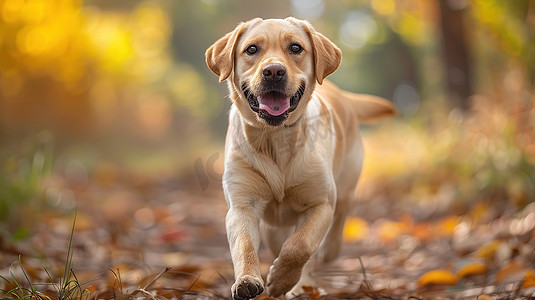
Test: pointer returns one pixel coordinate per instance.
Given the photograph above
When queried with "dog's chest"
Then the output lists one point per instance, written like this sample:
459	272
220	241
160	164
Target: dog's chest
283	147
293	175
297	156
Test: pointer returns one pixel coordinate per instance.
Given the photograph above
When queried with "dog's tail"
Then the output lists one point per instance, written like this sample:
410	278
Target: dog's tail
367	107
370	108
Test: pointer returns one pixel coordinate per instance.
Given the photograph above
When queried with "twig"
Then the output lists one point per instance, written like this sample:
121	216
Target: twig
363	270
156	278
191	286
368	284
144	292
118	280
186	292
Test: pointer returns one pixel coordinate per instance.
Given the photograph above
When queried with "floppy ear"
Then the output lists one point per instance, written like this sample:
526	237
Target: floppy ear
327	56
220	56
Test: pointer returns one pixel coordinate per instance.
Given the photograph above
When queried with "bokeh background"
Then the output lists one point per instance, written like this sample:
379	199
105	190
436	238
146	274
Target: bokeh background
109	103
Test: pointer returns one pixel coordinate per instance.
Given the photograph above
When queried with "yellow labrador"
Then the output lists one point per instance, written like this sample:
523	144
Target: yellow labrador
293	152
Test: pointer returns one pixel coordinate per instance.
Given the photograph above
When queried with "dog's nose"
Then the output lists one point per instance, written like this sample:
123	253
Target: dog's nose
274	72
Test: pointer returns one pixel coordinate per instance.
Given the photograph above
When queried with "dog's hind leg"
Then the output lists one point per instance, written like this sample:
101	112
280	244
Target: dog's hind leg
332	243
346	197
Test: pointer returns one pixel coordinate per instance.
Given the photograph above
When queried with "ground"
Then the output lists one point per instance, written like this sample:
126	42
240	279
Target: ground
163	238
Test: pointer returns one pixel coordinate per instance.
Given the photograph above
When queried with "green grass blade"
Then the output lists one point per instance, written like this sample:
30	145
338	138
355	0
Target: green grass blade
68	262
26	276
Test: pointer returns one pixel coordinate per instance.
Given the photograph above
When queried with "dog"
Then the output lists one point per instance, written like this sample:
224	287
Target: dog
293	151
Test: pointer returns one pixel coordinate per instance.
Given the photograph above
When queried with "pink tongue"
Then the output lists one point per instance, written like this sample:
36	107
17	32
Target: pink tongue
275	106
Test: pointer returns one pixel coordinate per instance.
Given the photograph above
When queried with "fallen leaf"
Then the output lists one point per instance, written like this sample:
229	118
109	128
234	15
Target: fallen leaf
172	235
484	297
312	292
355	229
174	258
529	280
513	271
446	227
422	231
389	230
472	269
438	277
488	250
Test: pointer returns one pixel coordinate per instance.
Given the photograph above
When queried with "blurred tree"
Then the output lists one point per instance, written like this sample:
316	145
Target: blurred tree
456	52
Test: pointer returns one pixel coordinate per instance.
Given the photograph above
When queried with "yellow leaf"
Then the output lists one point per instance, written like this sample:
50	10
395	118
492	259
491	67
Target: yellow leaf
529	281
355	229
446	227
438	277
472	269
488	250
389	230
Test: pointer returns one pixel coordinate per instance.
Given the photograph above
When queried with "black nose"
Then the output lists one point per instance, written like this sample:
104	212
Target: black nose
274	72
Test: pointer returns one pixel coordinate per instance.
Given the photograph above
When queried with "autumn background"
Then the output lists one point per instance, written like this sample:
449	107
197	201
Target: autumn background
109	114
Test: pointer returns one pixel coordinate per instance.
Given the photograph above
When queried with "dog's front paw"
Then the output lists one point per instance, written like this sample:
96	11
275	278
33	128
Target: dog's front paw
282	277
247	287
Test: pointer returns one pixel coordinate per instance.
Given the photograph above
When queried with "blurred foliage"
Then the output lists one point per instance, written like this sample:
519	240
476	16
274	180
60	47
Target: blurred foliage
453	162
125	83
21	177
76	66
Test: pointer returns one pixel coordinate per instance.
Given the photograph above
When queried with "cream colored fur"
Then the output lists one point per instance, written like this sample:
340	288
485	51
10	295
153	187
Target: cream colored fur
292	184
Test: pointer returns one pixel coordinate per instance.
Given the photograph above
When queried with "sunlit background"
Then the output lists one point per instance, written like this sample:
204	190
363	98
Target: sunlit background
95	91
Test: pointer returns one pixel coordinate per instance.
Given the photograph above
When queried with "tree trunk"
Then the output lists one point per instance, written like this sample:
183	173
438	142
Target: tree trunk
455	51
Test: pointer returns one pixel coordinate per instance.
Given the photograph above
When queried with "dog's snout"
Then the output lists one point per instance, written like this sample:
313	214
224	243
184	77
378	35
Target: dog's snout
274	72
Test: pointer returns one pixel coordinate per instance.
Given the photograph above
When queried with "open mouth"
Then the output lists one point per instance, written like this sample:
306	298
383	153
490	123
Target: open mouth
274	107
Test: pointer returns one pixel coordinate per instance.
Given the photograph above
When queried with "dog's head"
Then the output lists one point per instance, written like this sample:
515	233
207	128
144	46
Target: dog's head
272	67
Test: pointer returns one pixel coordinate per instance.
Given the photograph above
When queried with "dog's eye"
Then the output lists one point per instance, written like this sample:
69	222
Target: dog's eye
296	48
252	49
